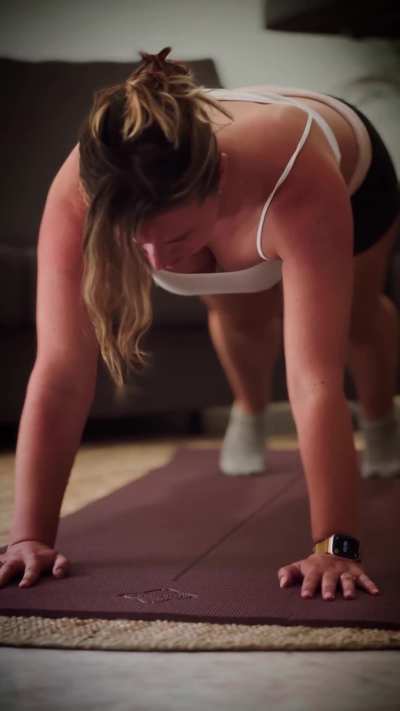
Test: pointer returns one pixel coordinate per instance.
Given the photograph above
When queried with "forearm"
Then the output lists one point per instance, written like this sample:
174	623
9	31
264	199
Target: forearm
49	435
330	463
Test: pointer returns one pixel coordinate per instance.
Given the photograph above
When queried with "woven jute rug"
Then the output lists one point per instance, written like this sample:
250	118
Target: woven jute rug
95	474
162	635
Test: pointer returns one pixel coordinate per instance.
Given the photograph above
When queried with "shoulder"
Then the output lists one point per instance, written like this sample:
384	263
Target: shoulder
314	181
274	138
66	184
61	229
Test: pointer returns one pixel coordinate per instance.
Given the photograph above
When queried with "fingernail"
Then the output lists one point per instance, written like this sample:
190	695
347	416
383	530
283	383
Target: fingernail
283	581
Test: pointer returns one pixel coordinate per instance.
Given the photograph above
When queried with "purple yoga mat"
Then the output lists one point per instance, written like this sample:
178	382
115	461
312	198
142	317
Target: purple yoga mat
189	543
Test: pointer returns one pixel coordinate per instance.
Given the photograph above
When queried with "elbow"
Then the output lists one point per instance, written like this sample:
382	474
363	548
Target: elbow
51	379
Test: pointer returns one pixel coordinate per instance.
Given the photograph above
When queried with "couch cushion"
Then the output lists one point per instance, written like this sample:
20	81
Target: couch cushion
18	285
43	106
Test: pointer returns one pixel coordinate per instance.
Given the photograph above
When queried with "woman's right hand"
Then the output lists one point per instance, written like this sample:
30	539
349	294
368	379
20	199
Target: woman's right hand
31	558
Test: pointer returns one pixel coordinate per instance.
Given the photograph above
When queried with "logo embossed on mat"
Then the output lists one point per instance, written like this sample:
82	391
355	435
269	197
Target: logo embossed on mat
151	597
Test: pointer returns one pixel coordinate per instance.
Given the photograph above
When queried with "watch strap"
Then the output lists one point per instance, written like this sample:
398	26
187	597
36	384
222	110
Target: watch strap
322	546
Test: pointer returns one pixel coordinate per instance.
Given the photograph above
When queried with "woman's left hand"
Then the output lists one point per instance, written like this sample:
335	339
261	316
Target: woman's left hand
327	570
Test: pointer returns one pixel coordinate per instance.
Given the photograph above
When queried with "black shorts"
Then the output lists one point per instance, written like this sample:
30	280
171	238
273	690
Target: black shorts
376	202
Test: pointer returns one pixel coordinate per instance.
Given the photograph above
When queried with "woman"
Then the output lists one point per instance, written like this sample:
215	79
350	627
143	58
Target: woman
158	188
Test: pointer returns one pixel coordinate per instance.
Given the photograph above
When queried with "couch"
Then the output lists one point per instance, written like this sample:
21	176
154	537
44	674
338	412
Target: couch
44	104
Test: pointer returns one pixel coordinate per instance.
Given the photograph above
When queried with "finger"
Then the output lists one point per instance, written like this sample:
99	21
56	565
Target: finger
310	583
61	566
364	581
328	585
289	574
348	585
32	574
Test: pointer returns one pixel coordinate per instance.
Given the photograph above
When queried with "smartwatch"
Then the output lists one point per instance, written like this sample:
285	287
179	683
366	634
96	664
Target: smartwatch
339	544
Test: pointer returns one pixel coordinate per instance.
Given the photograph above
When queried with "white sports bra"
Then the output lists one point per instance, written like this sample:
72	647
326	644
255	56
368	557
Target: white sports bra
267	273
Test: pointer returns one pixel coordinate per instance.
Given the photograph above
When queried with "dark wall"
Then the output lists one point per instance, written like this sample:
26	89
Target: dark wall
373	18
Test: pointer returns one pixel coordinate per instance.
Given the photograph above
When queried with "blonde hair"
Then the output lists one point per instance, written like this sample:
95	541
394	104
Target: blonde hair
146	146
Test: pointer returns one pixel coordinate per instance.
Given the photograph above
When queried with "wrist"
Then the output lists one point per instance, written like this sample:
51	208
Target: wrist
23	540
339	544
341	531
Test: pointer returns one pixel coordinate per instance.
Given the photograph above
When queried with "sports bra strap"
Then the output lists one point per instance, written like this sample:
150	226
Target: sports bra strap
280	181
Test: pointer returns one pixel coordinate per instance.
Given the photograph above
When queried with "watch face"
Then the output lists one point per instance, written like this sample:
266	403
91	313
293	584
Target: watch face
346	546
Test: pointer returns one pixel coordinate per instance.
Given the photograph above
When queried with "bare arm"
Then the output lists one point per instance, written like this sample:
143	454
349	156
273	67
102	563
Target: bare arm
315	242
62	383
49	436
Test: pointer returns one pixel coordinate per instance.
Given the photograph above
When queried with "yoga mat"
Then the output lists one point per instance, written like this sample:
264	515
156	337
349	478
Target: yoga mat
188	543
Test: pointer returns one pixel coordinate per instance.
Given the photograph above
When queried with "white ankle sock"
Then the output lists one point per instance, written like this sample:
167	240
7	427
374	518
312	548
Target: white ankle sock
381	456
243	447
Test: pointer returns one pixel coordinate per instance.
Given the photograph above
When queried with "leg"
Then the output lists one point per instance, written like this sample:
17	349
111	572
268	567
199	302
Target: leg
248	358
374	329
246	332
373	357
373	361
